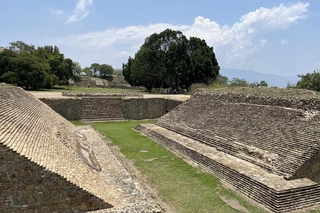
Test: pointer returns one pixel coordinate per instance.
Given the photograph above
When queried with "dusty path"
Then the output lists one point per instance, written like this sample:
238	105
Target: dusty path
42	94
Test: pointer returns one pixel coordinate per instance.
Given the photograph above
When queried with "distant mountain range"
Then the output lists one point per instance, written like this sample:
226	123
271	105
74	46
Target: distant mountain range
253	76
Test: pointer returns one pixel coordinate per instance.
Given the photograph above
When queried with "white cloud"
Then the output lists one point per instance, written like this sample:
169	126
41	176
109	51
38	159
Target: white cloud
262	42
233	44
284	42
80	12
57	13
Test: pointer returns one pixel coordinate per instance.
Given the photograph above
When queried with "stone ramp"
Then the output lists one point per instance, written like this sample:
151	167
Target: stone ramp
278	139
99	82
271	190
133	199
31	129
267	148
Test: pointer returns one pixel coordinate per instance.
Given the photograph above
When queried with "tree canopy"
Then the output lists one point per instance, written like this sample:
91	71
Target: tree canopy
169	59
101	70
24	65
310	81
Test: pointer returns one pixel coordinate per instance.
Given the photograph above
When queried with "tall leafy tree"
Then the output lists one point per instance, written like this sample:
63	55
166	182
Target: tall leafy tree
76	68
30	71
95	67
170	59
310	81
24	65
105	70
127	71
88	71
20	46
5	57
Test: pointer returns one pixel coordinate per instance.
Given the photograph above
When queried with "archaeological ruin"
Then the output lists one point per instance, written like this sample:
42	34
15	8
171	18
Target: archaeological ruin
264	147
109	106
49	165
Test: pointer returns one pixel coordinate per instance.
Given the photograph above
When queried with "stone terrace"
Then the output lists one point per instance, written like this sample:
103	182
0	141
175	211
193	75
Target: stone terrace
102	106
47	164
266	152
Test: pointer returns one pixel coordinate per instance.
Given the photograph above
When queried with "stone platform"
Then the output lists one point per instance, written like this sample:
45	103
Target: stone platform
49	165
266	148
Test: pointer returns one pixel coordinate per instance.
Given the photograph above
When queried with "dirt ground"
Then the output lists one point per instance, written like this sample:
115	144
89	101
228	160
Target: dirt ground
43	94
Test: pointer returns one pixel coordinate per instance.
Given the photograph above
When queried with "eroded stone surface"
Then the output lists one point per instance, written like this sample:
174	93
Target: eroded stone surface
268	148
48	165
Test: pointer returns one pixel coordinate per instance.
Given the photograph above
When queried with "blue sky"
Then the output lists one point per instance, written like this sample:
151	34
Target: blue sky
276	37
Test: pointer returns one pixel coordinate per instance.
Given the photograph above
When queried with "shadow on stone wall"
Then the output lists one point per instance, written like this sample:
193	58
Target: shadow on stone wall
111	108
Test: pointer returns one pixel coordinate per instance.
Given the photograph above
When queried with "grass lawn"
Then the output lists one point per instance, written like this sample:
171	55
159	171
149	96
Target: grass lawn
184	188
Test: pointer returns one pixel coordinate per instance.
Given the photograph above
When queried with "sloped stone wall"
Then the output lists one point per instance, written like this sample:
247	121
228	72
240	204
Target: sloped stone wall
69	108
28	187
274	198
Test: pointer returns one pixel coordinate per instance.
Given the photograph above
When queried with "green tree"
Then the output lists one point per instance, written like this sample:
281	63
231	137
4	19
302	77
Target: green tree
263	84
221	79
5	57
105	70
170	59
204	65
310	81
88	71
31	71
20	46
76	68
128	72
24	65
95	67
238	82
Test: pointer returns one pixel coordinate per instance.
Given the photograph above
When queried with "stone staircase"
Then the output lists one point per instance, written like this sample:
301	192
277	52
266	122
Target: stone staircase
268	152
85	80
279	139
102	108
271	190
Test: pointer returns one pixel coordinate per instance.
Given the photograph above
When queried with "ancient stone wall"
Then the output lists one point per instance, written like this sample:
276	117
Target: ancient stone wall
101	108
290	102
101	94
110	107
69	108
147	108
28	187
276	200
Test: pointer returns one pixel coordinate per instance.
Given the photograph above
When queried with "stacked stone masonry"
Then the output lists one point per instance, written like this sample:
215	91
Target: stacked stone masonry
69	108
48	165
110	106
279	140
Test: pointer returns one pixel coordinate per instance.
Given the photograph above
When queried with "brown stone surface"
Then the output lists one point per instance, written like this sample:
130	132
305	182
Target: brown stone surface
268	148
276	138
47	164
269	189
110	106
